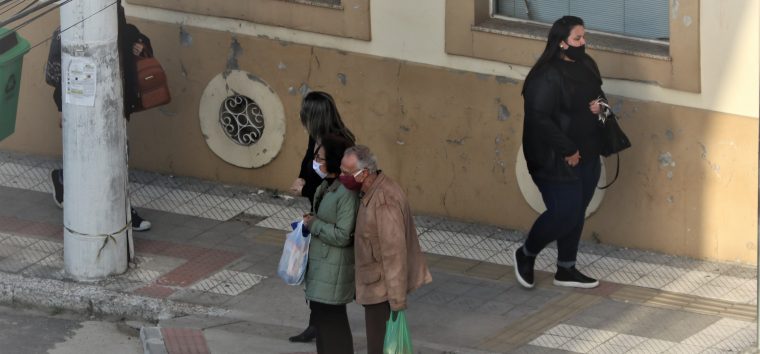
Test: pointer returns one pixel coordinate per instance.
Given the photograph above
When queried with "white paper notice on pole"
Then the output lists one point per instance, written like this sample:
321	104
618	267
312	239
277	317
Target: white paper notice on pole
81	81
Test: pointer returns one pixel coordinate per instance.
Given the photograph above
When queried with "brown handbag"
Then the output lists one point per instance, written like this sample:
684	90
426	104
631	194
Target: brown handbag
152	84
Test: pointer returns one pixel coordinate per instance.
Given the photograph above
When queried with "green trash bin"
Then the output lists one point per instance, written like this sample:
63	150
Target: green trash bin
12	50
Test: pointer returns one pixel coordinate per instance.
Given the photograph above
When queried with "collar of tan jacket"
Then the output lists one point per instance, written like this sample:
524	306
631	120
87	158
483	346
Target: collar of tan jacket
375	186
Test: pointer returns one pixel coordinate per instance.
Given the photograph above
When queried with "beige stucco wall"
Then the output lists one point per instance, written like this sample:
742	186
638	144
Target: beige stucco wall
687	186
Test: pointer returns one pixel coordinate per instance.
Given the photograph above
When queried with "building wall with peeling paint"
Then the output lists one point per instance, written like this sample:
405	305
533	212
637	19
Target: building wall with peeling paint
449	127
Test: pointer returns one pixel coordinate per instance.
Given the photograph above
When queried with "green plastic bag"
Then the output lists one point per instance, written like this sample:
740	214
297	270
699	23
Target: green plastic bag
397	338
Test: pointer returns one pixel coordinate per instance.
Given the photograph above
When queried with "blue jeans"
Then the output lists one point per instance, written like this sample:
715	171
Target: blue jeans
566	203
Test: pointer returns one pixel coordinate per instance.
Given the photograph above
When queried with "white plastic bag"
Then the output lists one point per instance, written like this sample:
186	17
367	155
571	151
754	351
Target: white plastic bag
295	256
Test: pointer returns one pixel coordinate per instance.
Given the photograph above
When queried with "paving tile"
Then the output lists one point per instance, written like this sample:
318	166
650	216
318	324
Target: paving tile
726	281
623	277
639	267
184	340
427	245
608	349
435	298
579	346
200	267
738	341
156	291
685	349
610	263
152	191
190	209
464	303
142	275
142	177
151	246
653	346
184	251
567	331
220	214
703	340
12	224
741	272
437	236
427	221
708	291
208	200
164	204
596	335
653	282
549	341
22	182
480	230
13	169
264	209
276	223
626	340
498	308
681	286
46	246
496	244
138	200
451	226
465	239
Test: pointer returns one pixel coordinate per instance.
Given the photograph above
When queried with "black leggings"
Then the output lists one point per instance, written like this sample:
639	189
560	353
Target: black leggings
333	331
375	318
563	220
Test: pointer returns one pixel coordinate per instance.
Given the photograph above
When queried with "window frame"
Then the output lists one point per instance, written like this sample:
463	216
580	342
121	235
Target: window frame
331	19
496	15
472	30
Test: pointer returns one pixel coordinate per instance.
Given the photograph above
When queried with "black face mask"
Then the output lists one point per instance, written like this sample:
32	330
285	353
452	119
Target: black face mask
575	53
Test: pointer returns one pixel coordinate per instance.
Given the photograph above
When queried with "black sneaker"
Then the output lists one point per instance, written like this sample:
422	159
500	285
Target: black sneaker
138	223
57	187
573	278
524	268
306	336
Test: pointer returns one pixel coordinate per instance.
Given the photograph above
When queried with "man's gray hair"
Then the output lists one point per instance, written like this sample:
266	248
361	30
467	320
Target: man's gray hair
367	159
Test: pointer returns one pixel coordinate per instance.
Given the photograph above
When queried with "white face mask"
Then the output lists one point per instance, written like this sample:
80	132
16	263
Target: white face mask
316	167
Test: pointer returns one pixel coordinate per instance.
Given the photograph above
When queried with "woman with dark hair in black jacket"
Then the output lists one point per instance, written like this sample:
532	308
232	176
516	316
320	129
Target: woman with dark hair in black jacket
320	117
561	143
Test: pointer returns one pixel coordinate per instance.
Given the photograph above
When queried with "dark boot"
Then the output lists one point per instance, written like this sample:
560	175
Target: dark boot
306	336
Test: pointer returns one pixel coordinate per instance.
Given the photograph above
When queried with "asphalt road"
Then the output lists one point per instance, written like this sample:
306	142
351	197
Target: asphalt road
24	331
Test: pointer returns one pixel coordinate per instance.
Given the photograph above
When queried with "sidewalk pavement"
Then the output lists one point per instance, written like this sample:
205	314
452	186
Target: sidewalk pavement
217	247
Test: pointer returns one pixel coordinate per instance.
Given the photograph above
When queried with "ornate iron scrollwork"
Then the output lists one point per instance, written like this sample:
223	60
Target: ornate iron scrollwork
242	120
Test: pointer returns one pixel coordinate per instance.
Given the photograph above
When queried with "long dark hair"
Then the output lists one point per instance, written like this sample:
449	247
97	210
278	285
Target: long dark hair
559	32
334	145
320	116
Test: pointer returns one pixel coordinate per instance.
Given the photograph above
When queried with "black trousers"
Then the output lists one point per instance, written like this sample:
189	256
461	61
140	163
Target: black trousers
333	331
566	203
375	318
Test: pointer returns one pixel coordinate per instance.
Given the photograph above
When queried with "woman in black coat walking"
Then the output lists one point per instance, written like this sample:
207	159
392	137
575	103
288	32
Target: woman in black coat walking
320	117
561	143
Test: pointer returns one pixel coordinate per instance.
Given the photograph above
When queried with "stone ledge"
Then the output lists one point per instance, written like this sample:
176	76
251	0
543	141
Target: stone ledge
56	294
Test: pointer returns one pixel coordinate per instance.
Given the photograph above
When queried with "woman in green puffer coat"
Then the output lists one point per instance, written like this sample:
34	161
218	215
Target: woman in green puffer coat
330	273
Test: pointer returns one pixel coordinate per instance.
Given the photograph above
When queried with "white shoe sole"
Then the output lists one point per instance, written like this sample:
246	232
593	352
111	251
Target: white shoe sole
575	284
520	280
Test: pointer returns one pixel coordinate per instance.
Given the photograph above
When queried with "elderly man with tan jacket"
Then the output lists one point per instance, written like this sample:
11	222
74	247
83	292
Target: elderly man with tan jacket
389	262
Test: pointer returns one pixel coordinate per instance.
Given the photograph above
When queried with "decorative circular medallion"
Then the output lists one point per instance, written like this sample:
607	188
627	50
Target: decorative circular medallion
242	119
533	196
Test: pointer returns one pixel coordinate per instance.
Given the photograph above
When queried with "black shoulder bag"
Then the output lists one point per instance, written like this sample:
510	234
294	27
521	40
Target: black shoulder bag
613	139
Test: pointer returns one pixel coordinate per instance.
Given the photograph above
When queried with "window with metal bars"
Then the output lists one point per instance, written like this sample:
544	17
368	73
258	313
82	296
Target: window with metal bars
646	19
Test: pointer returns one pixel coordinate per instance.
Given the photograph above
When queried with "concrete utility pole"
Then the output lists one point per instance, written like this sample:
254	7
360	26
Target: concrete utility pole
96	211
